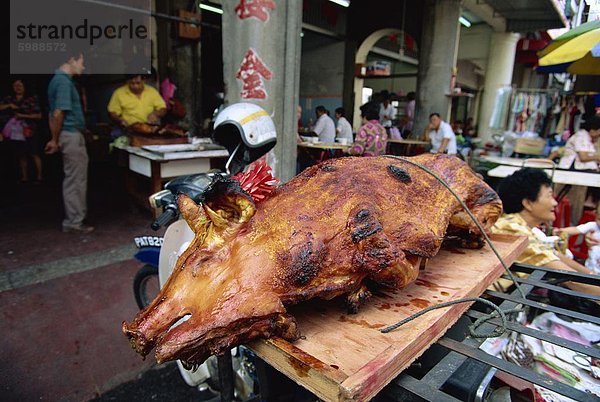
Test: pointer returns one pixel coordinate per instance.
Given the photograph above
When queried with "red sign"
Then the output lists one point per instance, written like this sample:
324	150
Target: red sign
254	8
250	72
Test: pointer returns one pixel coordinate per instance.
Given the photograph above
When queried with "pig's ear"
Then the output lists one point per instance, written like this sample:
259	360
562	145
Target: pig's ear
193	213
228	204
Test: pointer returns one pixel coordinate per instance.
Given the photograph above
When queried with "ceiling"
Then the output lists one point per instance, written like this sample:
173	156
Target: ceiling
529	15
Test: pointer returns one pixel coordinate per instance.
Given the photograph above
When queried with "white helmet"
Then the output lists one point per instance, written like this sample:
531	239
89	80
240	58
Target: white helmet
247	131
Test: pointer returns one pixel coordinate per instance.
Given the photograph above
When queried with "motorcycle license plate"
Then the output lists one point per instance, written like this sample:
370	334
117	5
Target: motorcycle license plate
148	241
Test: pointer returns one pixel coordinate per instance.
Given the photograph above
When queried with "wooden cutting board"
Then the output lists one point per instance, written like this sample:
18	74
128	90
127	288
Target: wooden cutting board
345	358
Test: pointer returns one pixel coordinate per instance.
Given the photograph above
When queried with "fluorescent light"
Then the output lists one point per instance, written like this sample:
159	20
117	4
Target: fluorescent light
211	8
464	21
343	3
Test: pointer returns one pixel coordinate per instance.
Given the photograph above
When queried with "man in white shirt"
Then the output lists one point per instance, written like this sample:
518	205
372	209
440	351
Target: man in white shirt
386	113
441	135
324	127
344	129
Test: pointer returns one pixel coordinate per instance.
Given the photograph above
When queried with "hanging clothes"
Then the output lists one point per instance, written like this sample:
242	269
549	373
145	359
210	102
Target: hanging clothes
562	120
501	108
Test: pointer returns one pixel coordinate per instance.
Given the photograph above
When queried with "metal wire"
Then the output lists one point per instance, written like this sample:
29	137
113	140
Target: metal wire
472	328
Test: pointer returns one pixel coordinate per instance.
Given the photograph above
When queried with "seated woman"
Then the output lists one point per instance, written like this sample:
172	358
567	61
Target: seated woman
528	203
580	154
371	139
580	151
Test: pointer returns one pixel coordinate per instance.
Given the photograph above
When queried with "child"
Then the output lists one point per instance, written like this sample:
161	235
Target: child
592	228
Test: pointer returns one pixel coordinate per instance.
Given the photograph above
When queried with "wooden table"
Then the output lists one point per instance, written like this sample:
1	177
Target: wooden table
405	145
324	145
409	142
570	177
346	358
326	150
158	168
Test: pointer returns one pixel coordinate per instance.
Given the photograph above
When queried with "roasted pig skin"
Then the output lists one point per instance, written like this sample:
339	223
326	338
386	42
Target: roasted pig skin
328	232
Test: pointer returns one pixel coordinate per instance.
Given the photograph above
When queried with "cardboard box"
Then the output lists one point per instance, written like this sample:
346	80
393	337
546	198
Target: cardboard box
530	146
186	30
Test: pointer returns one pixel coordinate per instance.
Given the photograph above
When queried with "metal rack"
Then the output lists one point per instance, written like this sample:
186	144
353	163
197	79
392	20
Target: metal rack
430	387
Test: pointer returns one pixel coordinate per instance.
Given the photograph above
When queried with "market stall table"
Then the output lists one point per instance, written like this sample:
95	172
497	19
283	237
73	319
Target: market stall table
326	149
404	145
346	357
519	162
569	177
160	166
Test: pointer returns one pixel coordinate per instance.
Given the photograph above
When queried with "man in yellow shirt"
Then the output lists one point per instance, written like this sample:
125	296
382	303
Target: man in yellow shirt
136	102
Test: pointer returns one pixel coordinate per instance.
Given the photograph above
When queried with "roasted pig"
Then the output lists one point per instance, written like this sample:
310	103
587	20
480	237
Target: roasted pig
324	234
143	128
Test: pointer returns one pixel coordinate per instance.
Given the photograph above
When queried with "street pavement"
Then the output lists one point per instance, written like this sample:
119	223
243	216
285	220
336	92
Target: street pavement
63	297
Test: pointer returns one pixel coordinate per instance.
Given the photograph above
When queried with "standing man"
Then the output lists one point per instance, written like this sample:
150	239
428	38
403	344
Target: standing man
386	113
344	129
324	127
136	102
441	135
66	126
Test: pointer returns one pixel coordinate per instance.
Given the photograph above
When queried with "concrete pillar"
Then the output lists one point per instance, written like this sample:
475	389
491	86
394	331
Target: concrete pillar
437	58
186	73
349	73
501	60
264	42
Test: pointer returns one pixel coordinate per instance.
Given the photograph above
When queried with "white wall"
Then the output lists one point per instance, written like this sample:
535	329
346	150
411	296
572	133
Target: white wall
398	85
474	44
467	75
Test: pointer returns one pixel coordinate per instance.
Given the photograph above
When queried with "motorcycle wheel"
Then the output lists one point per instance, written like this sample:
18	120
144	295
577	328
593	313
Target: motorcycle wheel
145	285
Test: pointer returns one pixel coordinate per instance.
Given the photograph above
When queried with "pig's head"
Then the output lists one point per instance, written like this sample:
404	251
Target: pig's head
217	284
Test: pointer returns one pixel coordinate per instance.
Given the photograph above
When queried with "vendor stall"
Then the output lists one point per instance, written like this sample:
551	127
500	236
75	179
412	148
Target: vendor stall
320	151
569	177
405	146
162	162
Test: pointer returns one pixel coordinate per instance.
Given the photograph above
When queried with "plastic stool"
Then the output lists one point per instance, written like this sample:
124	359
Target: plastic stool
563	213
577	243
